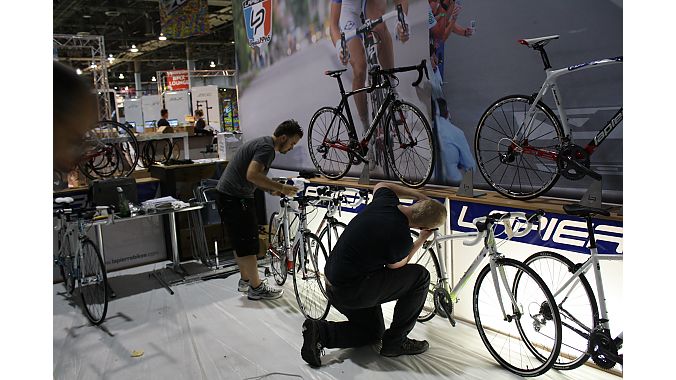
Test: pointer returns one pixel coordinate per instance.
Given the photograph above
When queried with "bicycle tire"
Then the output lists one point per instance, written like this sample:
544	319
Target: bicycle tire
98	293
120	135
403	137
277	250
316	143
485	298
315	296
324	238
573	342
490	158
378	139
425	258
66	267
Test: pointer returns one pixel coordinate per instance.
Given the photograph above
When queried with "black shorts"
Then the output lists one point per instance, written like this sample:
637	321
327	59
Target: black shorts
239	217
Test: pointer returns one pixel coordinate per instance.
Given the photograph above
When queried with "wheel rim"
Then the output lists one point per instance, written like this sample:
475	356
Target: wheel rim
506	340
308	283
410	145
330	161
575	308
277	256
498	142
93	284
424	258
111	150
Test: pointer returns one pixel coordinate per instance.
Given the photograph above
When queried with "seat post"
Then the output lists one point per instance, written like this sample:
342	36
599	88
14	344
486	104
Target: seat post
590	231
340	85
545	58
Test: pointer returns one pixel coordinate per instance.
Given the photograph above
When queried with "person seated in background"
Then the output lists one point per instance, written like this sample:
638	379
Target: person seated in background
74	114
200	124
369	267
163	122
456	154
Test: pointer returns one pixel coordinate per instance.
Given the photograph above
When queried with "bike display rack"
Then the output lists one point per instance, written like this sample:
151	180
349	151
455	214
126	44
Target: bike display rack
466	188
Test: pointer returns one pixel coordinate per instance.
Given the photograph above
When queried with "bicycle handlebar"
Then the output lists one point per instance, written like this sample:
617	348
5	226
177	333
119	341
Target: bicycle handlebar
421	68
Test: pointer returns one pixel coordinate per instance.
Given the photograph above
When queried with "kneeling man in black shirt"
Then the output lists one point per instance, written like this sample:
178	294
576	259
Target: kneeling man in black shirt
368	267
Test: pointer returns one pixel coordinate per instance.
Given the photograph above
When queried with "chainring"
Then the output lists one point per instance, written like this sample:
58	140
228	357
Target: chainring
600	341
442	302
572	152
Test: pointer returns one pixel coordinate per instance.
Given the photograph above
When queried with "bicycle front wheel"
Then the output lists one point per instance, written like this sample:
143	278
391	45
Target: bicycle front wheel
65	263
428	259
277	249
409	143
515	159
93	283
328	141
308	278
576	303
111	150
329	236
526	338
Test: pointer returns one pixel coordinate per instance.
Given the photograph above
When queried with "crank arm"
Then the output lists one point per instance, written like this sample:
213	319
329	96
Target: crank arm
584	169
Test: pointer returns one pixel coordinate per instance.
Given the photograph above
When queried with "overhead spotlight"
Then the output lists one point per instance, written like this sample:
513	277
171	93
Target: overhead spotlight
153	79
162	37
212	64
232	42
121	76
133	49
78	71
111	58
93	65
115	87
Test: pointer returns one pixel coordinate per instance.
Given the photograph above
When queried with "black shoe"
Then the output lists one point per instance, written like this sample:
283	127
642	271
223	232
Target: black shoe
312	348
408	347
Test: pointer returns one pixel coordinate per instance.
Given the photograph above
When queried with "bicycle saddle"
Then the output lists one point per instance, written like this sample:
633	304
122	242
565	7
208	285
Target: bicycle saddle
580	210
538	41
334	73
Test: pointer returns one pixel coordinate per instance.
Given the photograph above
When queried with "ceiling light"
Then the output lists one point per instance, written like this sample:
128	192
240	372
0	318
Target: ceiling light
121	76
93	65
212	64
115	87
153	79
126	88
86	16
232	42
78	71
133	49
162	37
111	58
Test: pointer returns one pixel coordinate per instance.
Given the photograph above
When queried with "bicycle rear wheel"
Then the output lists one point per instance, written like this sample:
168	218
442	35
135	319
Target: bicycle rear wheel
531	326
428	259
111	151
328	141
65	263
576	303
508	158
277	249
93	283
409	143
308	279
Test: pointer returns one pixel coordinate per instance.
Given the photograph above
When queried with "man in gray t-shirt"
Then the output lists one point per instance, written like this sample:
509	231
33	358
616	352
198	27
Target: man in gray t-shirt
243	174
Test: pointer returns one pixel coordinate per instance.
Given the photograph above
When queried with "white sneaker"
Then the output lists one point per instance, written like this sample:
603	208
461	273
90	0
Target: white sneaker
243	286
264	292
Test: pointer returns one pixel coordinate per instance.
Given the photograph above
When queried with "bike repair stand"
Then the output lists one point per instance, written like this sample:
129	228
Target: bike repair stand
365	177
466	188
593	196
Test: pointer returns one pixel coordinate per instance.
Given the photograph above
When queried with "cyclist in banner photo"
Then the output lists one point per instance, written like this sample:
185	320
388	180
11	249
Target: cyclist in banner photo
345	16
369	266
246	172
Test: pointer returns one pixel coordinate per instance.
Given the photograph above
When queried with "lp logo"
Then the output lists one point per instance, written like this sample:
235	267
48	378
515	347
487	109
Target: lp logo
257	22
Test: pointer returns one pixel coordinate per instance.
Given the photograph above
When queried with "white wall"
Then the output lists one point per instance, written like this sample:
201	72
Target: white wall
210	94
178	105
152	105
133	112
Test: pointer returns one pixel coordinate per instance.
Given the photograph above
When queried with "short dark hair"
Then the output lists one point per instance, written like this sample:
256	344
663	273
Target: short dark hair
164	111
199	112
289	128
69	91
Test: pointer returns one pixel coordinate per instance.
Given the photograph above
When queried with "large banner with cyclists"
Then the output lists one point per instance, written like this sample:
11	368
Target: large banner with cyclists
285	76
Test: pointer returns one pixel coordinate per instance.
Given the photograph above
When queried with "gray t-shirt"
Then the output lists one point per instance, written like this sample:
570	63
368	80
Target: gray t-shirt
233	182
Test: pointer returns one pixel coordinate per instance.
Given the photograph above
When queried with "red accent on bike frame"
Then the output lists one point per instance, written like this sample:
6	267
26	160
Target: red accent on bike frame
339	146
590	148
547	154
523	42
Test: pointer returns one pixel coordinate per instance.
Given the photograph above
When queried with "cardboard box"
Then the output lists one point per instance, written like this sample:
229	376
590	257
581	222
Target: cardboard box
228	144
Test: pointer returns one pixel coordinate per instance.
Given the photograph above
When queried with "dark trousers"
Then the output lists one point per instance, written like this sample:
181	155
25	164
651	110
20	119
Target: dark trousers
360	303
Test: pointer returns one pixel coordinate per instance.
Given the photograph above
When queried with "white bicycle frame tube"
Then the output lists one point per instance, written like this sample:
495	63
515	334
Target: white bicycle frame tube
550	83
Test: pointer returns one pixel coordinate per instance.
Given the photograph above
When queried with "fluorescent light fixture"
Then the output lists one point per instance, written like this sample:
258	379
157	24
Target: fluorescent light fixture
121	76
153	79
78	71
133	49
162	37
212	64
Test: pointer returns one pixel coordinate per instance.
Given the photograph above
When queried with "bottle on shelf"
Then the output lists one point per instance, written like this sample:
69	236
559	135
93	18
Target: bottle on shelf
122	204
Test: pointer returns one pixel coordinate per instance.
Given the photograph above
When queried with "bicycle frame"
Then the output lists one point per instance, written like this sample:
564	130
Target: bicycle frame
550	83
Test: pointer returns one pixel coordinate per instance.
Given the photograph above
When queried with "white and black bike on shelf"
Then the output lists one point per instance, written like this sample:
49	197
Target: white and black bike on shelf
294	249
522	147
512	305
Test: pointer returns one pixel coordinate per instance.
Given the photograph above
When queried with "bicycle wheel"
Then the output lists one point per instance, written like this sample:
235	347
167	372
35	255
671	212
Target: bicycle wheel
93	283
577	306
515	164
409	143
329	239
533	321
66	263
277	249
308	279
377	143
148	154
111	150
428	259
328	141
